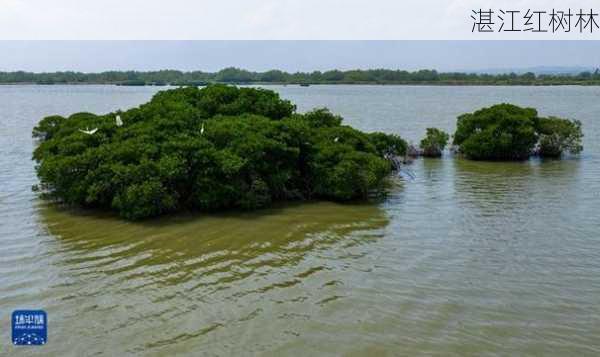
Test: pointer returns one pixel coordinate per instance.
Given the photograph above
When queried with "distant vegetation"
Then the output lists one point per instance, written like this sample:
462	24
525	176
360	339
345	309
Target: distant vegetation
509	132
239	76
207	149
434	142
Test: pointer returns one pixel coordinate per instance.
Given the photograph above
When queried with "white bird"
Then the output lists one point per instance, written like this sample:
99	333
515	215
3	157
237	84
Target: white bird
336	139
202	129
88	131
119	121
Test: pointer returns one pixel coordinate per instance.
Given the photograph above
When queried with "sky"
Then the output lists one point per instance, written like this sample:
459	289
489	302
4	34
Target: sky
292	35
95	56
269	19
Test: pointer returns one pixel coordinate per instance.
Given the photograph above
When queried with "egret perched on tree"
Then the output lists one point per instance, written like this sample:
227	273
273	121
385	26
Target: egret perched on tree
88	131
118	120
202	129
336	139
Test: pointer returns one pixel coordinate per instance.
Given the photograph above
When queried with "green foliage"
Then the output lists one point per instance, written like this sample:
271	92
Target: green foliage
388	144
559	135
509	132
434	142
322	118
47	127
207	149
236	75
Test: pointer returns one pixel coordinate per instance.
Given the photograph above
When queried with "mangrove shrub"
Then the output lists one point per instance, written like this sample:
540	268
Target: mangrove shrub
207	149
559	135
434	142
509	132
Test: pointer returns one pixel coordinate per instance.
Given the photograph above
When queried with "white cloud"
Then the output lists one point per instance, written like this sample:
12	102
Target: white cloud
259	19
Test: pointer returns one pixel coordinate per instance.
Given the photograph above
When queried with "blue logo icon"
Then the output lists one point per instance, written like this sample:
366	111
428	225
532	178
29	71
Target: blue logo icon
29	327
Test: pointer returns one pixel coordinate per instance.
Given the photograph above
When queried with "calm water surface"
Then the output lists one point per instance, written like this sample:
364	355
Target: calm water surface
469	258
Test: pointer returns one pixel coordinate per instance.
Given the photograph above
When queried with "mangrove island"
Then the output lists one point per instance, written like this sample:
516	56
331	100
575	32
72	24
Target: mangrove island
208	149
508	132
223	147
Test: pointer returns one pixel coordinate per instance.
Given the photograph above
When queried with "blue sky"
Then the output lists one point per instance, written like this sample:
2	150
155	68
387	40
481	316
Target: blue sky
93	56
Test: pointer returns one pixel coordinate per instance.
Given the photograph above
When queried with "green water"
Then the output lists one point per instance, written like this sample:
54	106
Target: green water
469	258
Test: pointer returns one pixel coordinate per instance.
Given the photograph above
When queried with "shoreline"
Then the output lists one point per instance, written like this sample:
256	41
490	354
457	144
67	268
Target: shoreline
433	84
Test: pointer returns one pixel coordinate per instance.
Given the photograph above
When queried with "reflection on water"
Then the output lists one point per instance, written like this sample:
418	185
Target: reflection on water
469	258
502	187
226	247
509	262
183	277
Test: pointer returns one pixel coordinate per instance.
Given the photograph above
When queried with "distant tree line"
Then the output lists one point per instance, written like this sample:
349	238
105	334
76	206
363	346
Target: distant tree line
240	76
